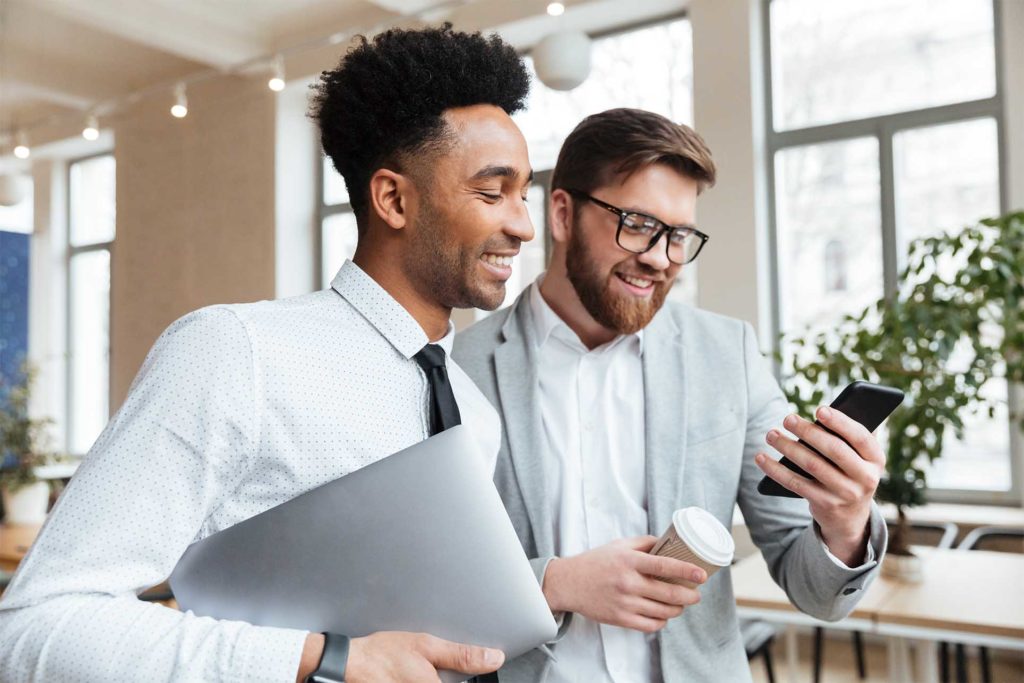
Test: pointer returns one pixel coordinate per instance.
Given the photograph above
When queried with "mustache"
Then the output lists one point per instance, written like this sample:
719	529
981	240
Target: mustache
501	243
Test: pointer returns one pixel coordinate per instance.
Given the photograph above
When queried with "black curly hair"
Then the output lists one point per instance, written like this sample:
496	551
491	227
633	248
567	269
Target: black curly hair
382	105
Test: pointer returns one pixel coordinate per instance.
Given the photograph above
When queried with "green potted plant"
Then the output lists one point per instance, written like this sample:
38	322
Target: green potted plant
23	449
956	323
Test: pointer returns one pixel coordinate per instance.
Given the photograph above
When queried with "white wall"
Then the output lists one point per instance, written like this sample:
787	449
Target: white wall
729	113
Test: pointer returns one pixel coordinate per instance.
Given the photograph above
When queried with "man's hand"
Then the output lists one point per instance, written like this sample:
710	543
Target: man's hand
615	584
400	657
847	477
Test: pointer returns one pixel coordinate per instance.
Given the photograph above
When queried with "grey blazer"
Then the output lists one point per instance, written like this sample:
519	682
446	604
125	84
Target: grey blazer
710	399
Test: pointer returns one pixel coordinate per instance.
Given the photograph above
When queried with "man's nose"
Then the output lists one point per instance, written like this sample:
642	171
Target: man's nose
520	224
657	256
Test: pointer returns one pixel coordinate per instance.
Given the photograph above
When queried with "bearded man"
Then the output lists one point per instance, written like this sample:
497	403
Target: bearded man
619	408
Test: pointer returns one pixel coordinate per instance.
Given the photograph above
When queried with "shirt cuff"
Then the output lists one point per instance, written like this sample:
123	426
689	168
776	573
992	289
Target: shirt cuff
869	554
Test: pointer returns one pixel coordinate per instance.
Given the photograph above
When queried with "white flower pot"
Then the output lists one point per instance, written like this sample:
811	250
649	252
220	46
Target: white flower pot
906	568
27	505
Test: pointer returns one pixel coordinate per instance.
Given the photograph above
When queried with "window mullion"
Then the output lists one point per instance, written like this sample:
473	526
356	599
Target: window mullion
887	174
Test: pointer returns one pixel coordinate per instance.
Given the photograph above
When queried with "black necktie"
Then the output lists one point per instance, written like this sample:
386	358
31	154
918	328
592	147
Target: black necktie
444	411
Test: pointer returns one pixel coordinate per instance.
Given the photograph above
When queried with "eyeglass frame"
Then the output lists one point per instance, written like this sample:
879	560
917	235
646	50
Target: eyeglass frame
665	228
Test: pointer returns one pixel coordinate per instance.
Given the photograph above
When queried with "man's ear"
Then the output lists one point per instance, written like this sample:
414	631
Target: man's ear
389	197
561	216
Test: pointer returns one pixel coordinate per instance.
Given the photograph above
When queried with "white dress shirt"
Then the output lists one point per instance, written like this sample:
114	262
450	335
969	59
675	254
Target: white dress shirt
592	403
236	409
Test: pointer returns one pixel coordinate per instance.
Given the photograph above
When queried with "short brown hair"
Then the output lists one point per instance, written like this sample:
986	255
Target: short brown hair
620	142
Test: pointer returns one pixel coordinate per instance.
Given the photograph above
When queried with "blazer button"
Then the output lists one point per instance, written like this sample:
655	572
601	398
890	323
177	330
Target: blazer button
849	591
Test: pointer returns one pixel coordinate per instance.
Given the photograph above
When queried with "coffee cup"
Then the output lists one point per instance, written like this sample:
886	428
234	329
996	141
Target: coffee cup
697	537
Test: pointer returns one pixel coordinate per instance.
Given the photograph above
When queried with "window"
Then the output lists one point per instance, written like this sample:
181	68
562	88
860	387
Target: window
835	266
91	221
884	119
338	233
648	68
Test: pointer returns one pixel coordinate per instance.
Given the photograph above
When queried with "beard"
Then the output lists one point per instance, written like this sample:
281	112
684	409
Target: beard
450	271
619	312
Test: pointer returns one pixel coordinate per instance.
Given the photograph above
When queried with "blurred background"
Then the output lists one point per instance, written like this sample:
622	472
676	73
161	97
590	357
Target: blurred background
156	157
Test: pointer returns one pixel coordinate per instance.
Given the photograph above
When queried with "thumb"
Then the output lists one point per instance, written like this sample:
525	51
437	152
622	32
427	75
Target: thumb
467	659
641	543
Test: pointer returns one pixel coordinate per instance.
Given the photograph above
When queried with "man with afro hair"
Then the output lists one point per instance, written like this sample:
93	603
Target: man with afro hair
241	407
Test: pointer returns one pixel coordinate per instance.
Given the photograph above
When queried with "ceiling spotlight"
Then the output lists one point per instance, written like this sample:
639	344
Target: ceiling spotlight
556	9
21	149
180	108
92	128
276	82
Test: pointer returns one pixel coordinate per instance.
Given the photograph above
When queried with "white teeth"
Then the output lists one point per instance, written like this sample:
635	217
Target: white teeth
497	260
636	282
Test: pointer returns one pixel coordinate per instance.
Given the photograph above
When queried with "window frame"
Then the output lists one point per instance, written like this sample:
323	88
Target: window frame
884	128
70	253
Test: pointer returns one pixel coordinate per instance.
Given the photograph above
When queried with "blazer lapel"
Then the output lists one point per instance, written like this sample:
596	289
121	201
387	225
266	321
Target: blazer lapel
516	371
665	408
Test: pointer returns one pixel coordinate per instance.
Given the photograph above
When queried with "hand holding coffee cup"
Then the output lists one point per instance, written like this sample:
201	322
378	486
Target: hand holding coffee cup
697	537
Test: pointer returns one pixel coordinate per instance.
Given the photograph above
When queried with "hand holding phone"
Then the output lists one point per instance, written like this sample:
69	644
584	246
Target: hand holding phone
869	404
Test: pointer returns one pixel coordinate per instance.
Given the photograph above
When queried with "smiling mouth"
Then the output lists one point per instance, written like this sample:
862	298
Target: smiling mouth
637	282
495	260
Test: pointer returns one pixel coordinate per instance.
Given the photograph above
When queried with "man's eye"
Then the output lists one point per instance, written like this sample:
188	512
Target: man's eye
489	197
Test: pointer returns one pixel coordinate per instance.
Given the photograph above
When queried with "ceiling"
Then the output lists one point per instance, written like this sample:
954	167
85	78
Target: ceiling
60	59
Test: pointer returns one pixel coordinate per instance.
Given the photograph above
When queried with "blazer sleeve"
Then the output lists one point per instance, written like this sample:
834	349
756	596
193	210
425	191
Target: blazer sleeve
782	528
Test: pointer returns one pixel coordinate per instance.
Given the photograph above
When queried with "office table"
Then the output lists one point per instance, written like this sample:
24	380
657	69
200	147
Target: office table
948	605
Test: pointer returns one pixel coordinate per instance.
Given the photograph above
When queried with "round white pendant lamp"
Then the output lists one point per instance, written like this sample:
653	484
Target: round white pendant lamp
14	187
562	60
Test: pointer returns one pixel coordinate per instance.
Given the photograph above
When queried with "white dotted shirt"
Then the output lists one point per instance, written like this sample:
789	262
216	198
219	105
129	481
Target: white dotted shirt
236	409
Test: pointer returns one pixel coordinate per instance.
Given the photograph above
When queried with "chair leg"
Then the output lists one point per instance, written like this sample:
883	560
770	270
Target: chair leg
766	652
858	653
961	663
819	643
944	662
986	672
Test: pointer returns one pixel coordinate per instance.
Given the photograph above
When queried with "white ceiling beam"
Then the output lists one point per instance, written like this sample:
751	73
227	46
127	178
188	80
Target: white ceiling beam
19	91
207	38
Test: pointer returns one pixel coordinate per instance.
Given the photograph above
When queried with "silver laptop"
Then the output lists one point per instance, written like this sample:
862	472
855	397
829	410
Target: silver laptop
417	541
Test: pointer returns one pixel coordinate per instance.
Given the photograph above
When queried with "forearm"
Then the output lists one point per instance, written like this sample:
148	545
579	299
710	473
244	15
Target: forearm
312	651
104	638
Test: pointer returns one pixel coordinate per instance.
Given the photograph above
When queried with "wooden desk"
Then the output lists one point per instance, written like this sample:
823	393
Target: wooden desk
946	606
14	543
990	604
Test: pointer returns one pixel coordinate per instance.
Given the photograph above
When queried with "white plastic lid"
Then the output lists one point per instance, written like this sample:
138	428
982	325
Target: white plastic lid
705	535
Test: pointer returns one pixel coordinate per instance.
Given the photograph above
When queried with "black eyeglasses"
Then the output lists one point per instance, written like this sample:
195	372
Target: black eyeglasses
639	232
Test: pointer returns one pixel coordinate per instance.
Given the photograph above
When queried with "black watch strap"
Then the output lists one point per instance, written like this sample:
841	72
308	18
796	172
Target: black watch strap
333	661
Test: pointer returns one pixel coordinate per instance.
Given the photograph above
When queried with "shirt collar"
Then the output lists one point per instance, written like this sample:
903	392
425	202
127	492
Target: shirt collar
547	323
381	310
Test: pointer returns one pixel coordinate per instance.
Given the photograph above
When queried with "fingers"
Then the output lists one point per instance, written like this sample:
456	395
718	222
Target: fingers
659	611
669	567
854	433
467	659
851	474
823	471
642	623
669	593
790	480
641	543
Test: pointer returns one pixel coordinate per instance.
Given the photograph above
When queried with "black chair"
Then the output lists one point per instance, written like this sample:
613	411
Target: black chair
1001	539
758	637
937	534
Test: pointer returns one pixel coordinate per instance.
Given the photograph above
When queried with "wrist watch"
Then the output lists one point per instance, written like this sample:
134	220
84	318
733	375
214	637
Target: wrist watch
333	660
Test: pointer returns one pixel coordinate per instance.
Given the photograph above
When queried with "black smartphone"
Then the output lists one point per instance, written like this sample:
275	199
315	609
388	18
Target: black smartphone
867	403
